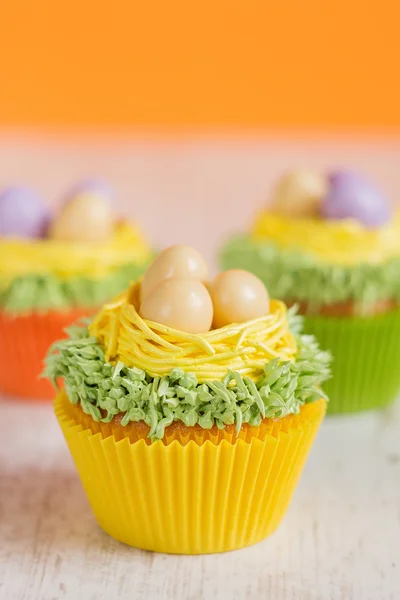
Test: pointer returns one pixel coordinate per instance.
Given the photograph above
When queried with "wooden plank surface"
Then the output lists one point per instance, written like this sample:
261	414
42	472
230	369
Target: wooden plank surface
339	540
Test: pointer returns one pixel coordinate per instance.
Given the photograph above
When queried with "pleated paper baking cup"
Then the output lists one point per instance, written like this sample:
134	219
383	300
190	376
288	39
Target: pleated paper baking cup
24	341
190	494
366	359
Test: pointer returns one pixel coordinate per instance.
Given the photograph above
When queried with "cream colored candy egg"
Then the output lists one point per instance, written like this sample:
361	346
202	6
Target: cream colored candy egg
178	261
238	296
299	193
85	218
182	304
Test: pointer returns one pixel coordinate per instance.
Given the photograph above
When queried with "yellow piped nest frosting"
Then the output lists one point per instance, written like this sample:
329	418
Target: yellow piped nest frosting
69	259
157	349
344	242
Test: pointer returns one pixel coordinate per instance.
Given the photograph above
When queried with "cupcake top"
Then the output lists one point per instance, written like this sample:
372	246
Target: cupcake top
324	240
177	347
337	219
66	259
47	260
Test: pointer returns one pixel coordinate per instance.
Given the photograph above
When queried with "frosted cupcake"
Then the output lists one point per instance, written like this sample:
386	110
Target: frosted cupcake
189	409
55	269
332	245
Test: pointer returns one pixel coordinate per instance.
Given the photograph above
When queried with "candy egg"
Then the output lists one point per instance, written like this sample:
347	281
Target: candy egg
91	186
182	304
22	213
178	261
352	197
85	218
238	296
299	193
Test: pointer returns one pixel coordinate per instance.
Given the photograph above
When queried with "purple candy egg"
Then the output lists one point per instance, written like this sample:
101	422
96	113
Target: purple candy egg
22	213
350	196
95	186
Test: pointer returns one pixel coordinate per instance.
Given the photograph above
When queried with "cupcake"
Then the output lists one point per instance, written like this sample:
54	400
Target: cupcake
189	407
55	269
331	244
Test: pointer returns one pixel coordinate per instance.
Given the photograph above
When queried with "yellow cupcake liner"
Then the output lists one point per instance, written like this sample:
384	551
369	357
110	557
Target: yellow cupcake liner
193	498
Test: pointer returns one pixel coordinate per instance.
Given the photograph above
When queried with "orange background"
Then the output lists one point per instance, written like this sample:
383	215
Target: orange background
240	63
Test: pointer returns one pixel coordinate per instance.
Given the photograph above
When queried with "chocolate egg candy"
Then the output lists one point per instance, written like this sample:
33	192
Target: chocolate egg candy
178	261
350	196
22	213
85	218
238	296
299	194
182	304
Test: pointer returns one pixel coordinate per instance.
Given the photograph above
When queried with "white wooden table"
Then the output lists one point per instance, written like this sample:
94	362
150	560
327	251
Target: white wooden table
339	540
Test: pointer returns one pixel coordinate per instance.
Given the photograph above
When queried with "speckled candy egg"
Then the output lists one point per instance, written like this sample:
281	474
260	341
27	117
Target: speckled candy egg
238	296
182	304
350	196
86	217
22	213
178	261
299	194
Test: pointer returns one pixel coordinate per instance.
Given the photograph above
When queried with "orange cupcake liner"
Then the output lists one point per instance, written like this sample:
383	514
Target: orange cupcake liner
196	491
24	341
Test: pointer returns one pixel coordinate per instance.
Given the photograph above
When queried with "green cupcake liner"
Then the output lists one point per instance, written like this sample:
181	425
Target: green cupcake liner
366	359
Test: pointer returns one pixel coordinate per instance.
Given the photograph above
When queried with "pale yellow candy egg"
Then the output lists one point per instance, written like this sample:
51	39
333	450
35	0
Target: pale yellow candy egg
182	304
238	296
299	194
87	217
178	261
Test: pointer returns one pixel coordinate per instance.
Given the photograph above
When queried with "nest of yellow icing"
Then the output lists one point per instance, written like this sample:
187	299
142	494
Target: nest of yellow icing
341	242
156	348
20	258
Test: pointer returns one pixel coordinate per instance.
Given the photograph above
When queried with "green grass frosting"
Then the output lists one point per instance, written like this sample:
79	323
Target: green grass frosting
293	275
104	390
40	293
